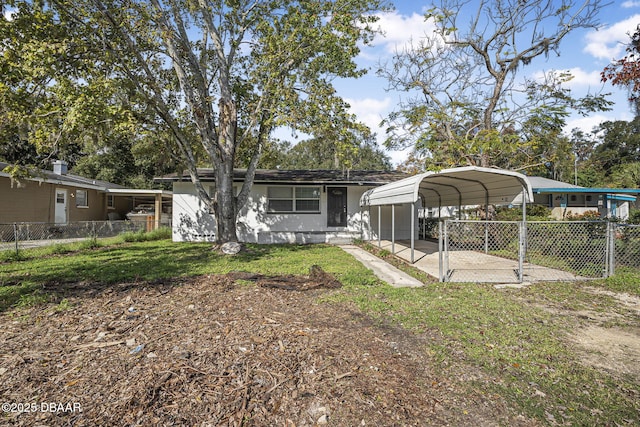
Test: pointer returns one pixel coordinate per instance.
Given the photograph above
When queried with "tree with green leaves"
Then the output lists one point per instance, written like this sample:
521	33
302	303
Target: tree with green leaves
466	104
617	152
40	63
321	153
224	73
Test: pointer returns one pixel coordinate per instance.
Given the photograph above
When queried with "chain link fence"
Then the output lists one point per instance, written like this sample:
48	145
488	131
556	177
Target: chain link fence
17	236
625	241
576	247
507	251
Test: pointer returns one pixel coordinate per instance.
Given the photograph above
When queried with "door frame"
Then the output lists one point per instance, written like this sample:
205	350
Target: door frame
344	218
65	208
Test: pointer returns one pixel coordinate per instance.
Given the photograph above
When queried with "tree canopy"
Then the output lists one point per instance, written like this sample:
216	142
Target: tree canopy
214	75
625	72
466	102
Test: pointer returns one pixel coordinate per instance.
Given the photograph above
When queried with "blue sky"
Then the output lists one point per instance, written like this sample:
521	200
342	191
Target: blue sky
585	53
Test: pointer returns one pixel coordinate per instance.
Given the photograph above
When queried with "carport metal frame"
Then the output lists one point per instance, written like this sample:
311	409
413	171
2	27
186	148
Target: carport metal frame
408	190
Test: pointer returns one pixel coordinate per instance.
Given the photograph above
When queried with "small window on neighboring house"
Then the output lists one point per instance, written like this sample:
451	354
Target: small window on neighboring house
111	203
82	200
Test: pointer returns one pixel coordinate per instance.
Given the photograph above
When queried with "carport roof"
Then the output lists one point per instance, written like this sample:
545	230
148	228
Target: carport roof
463	186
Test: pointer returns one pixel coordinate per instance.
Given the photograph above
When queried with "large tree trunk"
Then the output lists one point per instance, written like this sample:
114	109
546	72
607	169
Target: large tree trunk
224	203
225	206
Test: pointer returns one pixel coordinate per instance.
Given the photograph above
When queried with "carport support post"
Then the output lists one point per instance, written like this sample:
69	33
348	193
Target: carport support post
369	223
379	228
486	223
440	250
413	223
523	237
393	229
158	212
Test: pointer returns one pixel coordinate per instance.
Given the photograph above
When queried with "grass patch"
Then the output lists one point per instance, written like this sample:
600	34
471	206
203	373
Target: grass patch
146	236
520	349
625	281
113	262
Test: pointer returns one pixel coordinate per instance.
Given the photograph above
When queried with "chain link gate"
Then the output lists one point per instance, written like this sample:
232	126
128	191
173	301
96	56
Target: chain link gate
509	252
482	251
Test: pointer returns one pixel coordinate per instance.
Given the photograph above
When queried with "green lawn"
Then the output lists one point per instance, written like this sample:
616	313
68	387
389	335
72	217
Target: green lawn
520	350
22	279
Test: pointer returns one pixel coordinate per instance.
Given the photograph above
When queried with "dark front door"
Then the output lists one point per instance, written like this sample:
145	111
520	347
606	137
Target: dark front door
337	206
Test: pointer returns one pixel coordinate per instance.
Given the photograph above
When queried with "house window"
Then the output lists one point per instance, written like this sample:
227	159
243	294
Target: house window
82	200
111	202
293	199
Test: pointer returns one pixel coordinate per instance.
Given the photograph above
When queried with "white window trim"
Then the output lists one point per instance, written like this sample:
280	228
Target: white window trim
86	199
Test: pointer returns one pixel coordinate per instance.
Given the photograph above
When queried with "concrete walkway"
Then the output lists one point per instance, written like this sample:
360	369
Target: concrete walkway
464	266
474	266
382	269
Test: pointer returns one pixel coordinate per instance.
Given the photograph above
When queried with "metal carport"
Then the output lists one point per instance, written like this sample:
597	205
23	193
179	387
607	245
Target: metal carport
459	187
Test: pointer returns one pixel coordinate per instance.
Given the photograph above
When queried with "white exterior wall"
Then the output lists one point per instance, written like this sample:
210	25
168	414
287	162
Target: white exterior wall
191	222
402	222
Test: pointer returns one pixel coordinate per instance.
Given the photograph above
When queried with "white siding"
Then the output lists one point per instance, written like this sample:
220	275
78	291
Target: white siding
191	222
402	222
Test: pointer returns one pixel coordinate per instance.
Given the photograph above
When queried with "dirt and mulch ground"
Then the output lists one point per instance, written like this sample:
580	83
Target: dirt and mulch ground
239	349
607	339
222	351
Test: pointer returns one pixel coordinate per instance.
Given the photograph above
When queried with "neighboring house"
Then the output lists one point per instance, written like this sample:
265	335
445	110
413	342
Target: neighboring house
284	206
60	197
565	199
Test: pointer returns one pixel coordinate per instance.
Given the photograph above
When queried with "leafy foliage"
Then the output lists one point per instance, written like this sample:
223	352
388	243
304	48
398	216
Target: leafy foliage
464	106
320	153
206	77
625	72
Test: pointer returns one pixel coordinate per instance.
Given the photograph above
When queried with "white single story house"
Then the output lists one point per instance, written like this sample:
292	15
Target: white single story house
314	206
286	206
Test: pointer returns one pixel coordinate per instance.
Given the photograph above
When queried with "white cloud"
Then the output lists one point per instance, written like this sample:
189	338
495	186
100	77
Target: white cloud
630	4
581	78
400	29
370	111
8	14
609	42
587	124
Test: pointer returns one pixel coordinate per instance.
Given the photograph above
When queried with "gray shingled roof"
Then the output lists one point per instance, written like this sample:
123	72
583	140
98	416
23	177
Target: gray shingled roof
315	176
67	179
